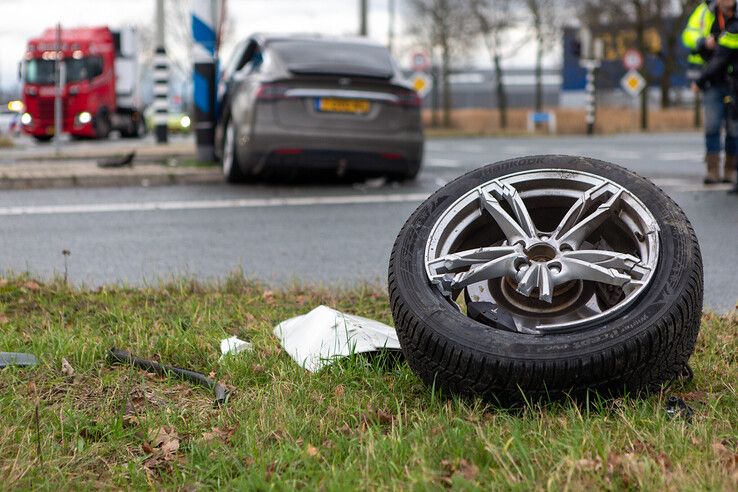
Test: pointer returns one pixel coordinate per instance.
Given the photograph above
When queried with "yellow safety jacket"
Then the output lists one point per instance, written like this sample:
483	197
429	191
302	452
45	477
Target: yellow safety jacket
698	28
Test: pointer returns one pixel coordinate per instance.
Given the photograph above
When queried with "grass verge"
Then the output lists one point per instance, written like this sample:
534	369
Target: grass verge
355	425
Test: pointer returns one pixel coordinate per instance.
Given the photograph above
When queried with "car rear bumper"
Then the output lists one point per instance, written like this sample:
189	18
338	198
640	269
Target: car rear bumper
274	148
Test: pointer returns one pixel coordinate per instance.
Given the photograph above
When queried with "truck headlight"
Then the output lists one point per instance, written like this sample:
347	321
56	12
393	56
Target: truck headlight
26	119
84	117
185	121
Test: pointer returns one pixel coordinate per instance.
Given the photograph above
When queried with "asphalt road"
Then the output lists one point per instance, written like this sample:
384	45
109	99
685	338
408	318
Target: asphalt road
329	234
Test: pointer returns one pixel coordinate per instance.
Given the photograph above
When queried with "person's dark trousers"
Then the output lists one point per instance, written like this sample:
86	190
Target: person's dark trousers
718	114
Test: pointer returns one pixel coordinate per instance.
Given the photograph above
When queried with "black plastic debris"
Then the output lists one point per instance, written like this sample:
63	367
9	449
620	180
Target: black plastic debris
117	161
676	407
17	359
221	392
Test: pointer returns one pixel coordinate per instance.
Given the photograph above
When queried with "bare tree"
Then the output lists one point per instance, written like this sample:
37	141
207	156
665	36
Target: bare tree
441	24
495	18
545	16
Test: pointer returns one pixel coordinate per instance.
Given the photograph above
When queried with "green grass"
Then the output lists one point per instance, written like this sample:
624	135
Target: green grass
355	425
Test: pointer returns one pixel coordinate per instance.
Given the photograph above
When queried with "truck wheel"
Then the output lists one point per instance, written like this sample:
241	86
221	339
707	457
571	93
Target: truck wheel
541	277
102	124
42	138
136	127
231	167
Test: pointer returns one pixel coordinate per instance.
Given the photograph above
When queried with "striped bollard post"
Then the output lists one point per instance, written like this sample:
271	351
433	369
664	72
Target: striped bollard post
204	76
590	88
161	78
161	94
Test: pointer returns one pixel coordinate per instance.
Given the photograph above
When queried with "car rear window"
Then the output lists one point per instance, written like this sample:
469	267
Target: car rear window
330	57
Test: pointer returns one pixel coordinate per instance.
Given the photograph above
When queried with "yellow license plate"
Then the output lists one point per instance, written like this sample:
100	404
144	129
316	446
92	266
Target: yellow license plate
336	105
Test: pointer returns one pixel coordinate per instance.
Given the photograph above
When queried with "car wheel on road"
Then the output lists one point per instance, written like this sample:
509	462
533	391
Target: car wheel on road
542	277
231	168
42	138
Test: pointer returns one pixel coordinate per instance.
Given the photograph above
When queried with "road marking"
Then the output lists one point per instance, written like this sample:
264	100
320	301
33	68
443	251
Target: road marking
95	208
438	162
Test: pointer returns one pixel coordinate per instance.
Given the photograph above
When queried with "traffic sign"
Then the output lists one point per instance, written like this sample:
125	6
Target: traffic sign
633	83
422	83
633	60
421	61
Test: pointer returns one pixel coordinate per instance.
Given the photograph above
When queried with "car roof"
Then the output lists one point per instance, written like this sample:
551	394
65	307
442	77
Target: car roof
266	38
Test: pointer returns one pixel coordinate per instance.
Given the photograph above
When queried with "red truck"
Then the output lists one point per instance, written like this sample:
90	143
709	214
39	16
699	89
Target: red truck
99	89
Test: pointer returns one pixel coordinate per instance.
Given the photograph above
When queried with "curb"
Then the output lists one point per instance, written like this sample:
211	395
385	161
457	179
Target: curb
26	178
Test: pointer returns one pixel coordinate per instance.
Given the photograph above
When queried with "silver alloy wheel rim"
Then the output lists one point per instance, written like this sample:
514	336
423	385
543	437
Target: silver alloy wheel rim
228	150
513	263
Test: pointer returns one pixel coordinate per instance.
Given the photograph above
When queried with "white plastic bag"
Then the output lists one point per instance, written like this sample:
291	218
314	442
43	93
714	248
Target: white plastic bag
317	338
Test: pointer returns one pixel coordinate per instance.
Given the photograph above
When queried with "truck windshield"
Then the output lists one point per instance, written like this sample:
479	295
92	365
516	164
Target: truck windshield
42	71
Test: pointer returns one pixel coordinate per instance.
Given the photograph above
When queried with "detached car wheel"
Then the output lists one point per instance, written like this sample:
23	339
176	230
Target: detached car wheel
541	277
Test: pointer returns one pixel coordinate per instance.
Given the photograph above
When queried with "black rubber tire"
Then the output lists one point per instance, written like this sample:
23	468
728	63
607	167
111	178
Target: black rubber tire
646	346
102	124
235	174
42	138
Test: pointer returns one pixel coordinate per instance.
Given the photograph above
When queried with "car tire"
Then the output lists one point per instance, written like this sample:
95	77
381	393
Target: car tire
42	138
494	350
231	166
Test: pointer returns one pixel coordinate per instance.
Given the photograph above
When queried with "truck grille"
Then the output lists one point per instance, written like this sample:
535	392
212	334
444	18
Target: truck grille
46	108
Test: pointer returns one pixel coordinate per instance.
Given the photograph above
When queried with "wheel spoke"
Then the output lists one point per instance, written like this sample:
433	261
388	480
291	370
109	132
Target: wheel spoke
605	259
575	227
515	229
575	269
499	267
470	258
537	276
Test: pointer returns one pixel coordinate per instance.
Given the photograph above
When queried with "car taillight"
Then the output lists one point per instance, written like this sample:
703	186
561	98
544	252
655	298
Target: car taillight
271	92
409	99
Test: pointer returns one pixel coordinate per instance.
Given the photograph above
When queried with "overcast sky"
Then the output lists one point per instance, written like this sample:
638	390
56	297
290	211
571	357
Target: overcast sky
22	19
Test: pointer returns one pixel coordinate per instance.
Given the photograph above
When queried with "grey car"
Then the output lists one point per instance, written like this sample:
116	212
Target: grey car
316	104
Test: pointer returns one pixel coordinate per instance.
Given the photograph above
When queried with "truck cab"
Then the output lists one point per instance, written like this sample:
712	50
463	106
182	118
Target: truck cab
99	83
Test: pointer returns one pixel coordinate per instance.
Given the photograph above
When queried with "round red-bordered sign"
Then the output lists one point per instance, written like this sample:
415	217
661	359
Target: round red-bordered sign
633	60
420	61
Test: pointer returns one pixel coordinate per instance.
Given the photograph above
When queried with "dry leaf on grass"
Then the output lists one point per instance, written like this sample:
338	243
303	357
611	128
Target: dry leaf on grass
67	368
312	451
588	464
339	391
268	296
218	434
627	466
4	319
32	285
163	445
462	468
728	458
3	282
270	470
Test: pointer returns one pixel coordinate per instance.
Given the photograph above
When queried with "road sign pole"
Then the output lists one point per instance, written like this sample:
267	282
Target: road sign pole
59	89
204	76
